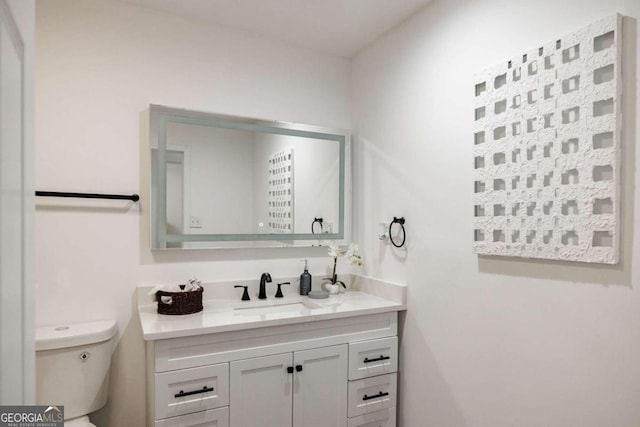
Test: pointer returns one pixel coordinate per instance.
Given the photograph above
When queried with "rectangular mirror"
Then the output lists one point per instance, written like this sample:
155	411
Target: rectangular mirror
224	181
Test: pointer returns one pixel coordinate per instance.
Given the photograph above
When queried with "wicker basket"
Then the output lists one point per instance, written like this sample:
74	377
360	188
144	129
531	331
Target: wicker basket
181	302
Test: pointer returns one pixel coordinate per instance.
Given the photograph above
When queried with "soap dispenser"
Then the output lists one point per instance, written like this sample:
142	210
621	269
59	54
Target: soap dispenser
305	280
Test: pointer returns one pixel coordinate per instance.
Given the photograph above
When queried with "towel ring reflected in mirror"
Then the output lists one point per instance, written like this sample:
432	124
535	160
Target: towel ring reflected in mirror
317	221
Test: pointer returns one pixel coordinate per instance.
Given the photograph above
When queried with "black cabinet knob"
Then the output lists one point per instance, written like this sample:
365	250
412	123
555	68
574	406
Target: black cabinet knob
298	368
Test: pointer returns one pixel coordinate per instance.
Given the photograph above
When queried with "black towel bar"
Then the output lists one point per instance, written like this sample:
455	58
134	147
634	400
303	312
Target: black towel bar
132	197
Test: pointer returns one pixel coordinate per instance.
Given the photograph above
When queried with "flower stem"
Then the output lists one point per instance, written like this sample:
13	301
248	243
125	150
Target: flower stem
334	278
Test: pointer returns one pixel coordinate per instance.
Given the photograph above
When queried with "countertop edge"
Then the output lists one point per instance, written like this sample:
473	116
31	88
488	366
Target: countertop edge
155	336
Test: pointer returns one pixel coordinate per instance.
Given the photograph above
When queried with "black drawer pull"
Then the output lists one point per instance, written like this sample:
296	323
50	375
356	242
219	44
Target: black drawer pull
298	368
204	389
290	369
377	359
381	394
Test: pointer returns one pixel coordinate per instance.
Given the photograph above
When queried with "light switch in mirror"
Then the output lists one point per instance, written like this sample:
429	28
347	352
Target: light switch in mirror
225	181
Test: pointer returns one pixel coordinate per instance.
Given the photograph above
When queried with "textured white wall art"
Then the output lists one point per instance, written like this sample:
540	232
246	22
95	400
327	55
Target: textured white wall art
546	150
281	192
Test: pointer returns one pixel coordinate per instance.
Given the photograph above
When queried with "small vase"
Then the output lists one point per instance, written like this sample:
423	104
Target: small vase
333	289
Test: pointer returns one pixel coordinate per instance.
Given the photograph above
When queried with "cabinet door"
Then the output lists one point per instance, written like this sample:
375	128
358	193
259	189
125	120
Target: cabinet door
260	393
320	387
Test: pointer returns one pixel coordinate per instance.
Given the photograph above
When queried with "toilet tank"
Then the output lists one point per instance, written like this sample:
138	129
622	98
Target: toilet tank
72	366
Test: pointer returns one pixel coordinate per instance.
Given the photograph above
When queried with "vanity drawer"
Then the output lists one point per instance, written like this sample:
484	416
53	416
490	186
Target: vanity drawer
211	418
191	390
372	394
375	357
384	418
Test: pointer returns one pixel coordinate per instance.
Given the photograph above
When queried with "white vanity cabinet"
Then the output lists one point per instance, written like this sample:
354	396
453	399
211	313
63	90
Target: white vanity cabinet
325	373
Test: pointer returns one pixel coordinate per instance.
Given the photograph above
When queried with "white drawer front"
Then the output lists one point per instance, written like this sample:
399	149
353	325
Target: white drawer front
211	418
192	390
376	357
372	394
384	418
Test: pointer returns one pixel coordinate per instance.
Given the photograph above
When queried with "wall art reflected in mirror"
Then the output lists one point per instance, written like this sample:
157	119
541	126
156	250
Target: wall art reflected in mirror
224	181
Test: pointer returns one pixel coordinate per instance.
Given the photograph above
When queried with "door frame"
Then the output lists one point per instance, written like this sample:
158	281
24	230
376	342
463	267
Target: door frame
17	334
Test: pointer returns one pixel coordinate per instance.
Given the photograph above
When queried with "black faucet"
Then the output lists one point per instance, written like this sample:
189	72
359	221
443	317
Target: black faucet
266	277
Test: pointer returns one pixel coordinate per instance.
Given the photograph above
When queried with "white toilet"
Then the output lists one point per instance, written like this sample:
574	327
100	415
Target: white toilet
72	368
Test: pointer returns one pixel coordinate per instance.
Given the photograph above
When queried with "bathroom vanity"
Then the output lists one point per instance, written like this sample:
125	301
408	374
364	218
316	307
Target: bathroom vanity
283	362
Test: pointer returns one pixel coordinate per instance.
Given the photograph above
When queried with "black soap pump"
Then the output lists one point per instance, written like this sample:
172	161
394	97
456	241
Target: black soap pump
305	280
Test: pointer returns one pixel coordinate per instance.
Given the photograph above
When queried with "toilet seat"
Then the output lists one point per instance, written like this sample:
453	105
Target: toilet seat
79	422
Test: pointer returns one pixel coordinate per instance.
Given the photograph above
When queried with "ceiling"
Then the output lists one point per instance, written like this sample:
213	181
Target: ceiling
338	27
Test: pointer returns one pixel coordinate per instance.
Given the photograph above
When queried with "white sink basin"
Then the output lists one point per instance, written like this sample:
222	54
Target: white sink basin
275	308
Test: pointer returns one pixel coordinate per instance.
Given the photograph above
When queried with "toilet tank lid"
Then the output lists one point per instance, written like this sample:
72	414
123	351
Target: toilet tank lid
74	334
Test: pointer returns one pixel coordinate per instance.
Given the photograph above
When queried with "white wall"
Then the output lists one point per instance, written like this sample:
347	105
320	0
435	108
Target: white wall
316	175
317	183
99	65
489	341
220	177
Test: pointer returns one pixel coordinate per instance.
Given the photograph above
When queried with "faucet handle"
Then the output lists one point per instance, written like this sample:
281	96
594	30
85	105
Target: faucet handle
245	294
279	291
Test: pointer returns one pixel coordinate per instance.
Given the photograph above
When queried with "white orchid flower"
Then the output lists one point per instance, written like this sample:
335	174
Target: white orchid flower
336	251
354	257
351	253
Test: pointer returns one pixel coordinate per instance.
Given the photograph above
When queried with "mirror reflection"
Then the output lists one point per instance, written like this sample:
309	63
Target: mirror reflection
218	179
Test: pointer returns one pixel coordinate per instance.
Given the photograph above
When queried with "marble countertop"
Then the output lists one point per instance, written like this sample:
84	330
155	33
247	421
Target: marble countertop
225	315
